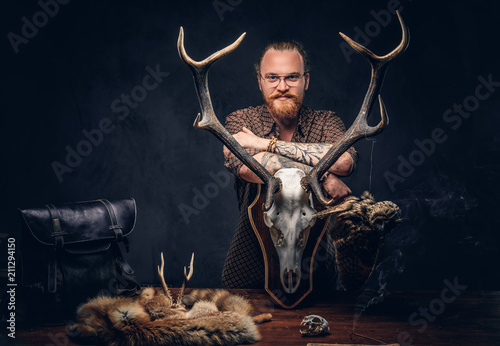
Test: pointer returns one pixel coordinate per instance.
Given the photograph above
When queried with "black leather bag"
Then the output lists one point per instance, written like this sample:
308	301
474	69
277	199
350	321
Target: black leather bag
71	253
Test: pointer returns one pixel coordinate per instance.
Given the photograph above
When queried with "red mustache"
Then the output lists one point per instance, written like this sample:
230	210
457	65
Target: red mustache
286	94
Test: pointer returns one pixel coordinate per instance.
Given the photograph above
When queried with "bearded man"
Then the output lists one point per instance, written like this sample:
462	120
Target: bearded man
280	134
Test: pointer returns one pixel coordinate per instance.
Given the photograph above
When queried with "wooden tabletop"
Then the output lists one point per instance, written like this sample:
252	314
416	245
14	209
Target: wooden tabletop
416	318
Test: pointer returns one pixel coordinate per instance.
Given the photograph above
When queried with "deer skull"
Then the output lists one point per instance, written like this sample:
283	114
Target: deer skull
290	220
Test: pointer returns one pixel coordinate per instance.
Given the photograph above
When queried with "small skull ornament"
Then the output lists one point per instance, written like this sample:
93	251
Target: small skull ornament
317	326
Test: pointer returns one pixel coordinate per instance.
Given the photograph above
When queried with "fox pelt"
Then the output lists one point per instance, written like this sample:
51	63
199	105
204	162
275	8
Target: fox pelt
205	317
358	230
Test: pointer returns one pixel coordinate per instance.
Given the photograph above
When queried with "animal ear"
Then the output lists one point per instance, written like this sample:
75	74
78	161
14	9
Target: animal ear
368	196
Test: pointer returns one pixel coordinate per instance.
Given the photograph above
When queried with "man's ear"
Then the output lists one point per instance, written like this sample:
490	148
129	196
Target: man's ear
258	82
306	76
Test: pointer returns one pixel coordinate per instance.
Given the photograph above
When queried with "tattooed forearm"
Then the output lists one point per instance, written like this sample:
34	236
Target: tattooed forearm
310	154
306	153
273	163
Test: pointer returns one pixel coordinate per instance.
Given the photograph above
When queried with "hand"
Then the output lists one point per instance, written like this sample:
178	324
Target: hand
249	140
336	188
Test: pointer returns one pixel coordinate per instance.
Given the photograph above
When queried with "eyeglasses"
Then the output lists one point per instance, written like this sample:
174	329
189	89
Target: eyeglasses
292	79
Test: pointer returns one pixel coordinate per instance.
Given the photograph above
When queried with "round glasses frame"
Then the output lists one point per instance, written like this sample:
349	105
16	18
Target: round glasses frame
291	79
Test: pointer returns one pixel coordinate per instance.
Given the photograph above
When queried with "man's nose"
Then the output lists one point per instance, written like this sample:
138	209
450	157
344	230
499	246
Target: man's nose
282	86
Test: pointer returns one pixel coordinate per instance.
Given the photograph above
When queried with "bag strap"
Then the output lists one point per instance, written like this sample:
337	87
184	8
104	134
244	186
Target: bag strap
58	235
130	286
117	229
121	261
57	232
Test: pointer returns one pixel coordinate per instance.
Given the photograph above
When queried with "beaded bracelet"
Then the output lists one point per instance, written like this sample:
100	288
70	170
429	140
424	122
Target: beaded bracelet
271	147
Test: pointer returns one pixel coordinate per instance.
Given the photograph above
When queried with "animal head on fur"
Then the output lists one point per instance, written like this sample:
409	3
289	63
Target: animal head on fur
359	227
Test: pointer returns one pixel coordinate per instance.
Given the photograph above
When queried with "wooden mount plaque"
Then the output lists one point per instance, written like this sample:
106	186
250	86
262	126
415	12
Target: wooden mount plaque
273	284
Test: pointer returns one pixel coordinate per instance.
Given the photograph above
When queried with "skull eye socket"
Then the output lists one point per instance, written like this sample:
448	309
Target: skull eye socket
316	320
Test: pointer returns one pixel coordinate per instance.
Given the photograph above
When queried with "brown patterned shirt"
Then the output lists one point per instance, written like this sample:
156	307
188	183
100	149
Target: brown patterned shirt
244	266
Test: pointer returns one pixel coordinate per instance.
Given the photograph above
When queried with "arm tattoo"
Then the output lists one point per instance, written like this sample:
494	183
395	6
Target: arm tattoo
273	163
306	153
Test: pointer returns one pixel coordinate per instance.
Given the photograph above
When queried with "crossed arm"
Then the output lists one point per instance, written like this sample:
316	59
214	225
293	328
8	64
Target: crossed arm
295	155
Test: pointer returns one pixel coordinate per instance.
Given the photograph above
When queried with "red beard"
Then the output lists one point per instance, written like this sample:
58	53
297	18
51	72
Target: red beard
284	110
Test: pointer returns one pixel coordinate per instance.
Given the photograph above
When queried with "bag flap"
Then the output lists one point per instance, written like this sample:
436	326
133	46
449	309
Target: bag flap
82	221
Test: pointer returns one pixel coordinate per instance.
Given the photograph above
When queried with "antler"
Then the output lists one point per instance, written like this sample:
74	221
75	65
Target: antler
359	128
210	122
162	279
187	277
186	281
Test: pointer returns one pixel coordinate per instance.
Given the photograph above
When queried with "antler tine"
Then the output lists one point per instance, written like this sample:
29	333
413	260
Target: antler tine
209	120
360	127
162	279
405	39
200	74
212	58
186	281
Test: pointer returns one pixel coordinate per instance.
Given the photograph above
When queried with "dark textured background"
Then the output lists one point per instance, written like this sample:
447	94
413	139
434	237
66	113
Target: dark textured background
65	79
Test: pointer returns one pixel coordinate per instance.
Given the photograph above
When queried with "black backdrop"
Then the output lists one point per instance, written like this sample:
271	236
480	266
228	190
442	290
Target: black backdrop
64	74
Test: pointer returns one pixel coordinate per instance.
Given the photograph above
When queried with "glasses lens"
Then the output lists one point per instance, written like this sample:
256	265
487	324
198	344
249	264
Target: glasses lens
272	80
290	80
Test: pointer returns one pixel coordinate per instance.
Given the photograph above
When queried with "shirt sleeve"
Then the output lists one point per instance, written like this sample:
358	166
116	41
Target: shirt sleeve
234	124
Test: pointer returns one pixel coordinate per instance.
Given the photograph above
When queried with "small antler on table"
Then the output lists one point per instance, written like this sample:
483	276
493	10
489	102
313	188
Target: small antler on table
162	279
186	281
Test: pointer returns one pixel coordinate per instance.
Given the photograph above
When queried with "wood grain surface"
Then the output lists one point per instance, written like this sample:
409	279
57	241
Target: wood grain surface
472	319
